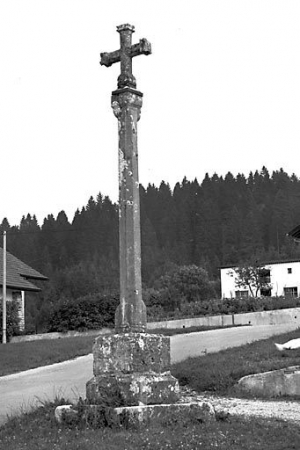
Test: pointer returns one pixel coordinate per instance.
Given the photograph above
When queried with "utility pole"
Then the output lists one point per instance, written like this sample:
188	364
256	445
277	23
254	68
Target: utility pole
4	291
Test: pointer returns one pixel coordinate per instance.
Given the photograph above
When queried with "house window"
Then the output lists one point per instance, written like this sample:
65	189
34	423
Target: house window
241	294
289	270
291	292
264	276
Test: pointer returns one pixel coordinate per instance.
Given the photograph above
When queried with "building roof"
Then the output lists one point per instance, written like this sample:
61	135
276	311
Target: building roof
18	274
265	263
295	233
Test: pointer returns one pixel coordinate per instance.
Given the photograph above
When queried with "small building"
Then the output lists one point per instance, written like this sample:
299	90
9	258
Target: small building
19	278
295	233
281	278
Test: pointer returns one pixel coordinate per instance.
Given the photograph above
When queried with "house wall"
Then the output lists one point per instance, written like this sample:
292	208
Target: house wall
228	279
279	274
281	278
19	296
8	294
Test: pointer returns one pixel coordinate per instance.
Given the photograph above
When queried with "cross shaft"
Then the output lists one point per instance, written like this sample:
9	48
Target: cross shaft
125	54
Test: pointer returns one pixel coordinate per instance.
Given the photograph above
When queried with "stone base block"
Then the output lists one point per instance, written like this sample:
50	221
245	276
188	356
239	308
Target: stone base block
276	383
137	416
131	353
133	389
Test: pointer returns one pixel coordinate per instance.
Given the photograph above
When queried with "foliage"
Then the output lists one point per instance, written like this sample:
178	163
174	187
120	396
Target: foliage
180	285
92	311
252	275
12	319
222	306
218	221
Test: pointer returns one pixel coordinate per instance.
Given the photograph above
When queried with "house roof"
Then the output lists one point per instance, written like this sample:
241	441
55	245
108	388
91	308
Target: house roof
295	233
265	263
19	274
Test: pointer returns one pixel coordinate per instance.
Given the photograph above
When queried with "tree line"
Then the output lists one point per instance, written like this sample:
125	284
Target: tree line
222	220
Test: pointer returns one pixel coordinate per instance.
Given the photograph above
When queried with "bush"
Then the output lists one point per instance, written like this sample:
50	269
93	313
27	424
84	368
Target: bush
12	319
182	284
90	312
221	306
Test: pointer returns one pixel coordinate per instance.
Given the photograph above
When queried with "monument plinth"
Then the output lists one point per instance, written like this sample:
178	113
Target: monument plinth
136	366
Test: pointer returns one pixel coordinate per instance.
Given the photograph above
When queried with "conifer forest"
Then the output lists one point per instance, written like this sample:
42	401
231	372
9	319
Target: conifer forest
218	221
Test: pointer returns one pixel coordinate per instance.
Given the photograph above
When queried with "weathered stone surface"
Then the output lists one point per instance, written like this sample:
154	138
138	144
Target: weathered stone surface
125	55
139	416
131	313
126	103
131	352
276	383
65	413
133	389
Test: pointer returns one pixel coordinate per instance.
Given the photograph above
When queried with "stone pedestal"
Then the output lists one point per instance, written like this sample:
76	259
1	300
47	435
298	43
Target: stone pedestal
133	367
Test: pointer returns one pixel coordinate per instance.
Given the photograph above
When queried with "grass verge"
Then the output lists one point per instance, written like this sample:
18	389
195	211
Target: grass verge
38	430
29	355
219	372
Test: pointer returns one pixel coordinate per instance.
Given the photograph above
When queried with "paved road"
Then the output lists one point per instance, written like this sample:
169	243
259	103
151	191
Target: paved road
27	389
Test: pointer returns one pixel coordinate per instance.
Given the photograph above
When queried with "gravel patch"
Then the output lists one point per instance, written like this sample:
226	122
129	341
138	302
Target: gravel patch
230	406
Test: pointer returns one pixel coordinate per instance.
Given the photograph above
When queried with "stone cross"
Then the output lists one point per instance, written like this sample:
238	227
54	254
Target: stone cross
126	103
125	55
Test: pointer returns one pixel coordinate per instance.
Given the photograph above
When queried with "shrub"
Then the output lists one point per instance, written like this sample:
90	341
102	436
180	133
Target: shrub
182	284
222	306
92	311
12	319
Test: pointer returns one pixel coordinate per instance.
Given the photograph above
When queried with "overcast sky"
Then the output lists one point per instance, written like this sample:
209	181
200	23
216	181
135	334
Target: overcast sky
221	93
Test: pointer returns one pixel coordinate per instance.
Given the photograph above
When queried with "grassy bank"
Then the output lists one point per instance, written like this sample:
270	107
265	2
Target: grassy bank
38	430
28	355
220	371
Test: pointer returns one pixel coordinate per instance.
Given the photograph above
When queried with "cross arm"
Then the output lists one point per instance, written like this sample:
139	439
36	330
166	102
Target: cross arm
107	59
142	48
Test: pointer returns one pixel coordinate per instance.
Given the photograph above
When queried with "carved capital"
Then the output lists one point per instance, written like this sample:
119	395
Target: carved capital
126	99
116	108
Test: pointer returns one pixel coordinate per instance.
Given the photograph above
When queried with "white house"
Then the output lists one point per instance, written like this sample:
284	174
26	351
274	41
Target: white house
283	278
19	278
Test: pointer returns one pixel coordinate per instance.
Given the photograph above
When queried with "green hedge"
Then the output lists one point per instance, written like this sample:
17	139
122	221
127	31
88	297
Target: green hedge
221	306
85	313
96	311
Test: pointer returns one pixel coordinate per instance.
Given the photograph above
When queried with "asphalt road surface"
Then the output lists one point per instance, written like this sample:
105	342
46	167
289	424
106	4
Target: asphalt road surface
22	391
